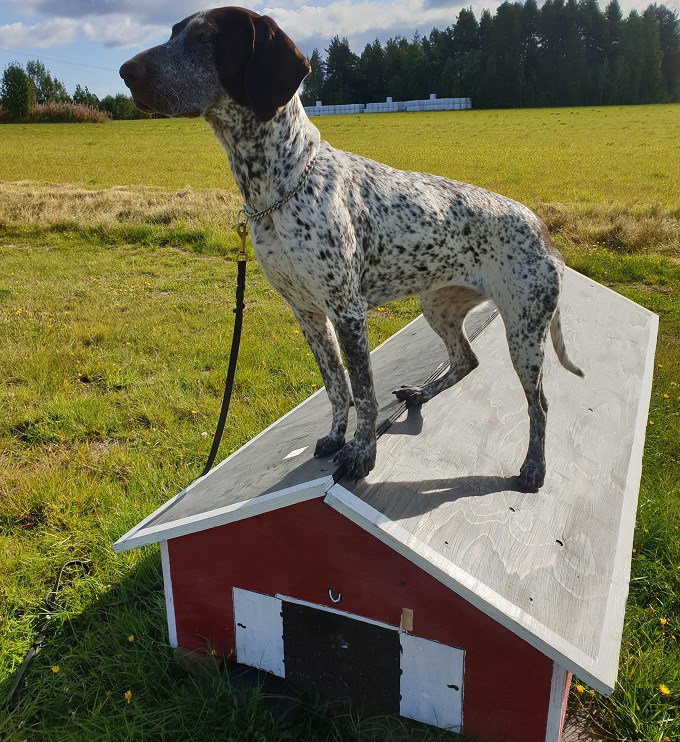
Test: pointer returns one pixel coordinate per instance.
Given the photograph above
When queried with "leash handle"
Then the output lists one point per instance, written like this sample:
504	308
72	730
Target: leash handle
242	231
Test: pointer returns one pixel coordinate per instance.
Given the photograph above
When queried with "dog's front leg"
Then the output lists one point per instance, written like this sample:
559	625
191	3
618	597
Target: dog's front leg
320	337
358	454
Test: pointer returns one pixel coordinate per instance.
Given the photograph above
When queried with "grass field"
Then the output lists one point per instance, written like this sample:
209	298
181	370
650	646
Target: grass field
115	317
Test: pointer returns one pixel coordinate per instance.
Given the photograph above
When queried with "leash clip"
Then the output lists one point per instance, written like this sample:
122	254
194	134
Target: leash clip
242	232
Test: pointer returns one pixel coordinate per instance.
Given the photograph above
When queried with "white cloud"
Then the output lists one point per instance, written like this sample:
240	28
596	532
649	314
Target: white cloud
54	32
123	32
360	19
135	23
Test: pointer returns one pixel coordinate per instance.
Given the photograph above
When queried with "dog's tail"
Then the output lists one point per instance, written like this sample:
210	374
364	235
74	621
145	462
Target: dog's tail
560	348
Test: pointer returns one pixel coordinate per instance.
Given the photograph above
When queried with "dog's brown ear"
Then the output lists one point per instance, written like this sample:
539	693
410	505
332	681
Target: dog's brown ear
275	70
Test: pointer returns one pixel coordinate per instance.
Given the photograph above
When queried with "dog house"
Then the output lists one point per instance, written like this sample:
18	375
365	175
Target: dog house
434	588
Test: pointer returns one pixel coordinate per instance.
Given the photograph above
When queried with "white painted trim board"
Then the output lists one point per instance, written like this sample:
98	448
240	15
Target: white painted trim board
169	598
228	514
554	723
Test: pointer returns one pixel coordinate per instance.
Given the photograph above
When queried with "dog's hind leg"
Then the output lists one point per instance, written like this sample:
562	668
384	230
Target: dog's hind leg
527	332
445	310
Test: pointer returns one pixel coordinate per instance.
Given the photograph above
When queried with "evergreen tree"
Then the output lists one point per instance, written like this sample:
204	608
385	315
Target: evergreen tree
465	53
507	53
395	74
594	34
651	73
551	60
313	84
340	83
531	52
486	90
371	83
573	67
416	85
669	39
569	52
626	84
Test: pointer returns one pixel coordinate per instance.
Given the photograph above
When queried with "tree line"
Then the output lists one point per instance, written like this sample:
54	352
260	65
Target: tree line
22	89
563	53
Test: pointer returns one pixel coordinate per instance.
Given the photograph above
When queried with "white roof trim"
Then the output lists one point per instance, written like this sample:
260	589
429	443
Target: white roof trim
475	592
228	514
610	646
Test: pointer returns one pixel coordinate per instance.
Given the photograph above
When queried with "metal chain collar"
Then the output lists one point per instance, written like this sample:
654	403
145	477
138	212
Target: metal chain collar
255	216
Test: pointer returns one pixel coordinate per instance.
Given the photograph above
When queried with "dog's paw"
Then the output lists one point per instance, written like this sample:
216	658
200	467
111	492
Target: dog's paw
329	444
412	395
532	476
359	457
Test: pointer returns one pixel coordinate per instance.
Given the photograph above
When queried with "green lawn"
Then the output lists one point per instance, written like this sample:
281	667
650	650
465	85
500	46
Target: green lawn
595	155
115	319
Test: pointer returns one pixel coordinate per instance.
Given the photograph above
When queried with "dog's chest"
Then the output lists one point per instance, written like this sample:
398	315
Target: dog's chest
287	273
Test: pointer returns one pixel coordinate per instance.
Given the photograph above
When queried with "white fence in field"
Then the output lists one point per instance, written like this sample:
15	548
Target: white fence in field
390	106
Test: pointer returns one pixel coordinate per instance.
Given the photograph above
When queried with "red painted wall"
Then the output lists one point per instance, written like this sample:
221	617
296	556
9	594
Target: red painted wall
303	550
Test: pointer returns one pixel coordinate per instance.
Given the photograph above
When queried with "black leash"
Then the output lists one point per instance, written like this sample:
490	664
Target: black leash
50	605
242	230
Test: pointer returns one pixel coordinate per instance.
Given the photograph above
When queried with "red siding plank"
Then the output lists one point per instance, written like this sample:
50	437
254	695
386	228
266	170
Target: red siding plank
304	550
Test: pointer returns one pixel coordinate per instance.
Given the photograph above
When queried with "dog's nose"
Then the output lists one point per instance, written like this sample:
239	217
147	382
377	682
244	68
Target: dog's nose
131	72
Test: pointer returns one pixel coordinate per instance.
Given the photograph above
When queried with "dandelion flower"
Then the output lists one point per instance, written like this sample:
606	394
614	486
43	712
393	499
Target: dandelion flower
650	422
663	689
663	621
55	668
131	638
666	396
128	695
579	689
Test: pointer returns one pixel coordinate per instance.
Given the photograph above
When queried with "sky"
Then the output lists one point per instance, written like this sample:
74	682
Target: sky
86	41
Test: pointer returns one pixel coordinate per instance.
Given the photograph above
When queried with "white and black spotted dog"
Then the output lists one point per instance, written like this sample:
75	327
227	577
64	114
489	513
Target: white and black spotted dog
348	234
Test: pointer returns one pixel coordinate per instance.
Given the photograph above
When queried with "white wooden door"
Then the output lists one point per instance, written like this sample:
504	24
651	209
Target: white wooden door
431	683
258	621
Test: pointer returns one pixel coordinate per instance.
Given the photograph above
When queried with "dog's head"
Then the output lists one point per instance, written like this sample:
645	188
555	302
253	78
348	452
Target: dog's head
216	54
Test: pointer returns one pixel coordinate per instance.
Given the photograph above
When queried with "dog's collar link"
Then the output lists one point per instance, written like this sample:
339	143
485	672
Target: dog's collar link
255	216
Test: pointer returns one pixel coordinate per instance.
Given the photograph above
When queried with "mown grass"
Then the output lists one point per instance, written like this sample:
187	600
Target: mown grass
628	155
115	318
